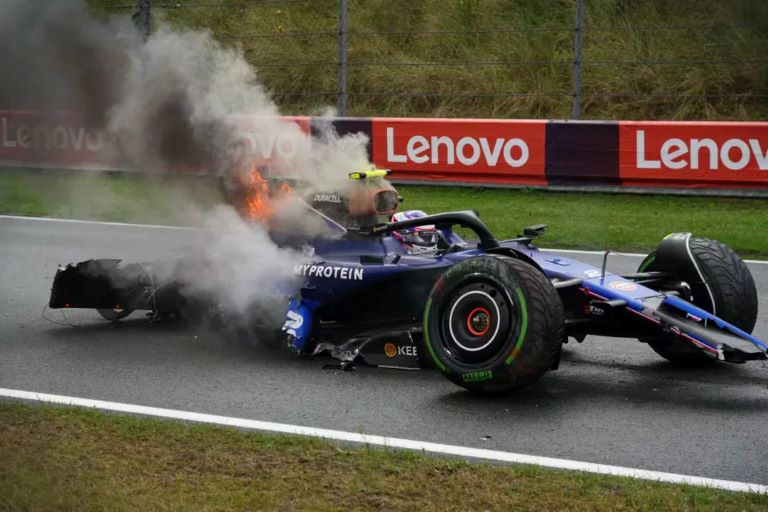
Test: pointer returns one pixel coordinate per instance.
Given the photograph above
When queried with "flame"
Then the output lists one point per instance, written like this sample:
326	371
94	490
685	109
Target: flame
258	200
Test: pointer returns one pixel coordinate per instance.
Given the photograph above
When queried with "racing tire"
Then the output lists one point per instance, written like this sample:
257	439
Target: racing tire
733	291
114	314
493	324
262	323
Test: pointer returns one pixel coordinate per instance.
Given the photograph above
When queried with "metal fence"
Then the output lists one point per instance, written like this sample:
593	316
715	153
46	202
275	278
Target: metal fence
582	61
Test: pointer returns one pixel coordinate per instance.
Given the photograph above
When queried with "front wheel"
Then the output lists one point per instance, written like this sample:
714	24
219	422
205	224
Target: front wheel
493	324
722	286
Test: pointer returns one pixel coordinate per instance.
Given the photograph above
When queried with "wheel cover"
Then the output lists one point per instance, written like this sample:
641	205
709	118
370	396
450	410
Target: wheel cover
476	321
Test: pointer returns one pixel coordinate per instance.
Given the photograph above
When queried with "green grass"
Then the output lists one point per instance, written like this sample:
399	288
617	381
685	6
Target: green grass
576	220
109	197
70	459
614	221
636	61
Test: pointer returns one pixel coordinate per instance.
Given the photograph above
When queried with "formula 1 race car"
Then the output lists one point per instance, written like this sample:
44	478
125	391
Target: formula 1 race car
492	315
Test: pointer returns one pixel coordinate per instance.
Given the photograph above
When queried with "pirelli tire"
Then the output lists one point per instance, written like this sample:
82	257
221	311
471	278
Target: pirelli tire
114	314
733	291
493	324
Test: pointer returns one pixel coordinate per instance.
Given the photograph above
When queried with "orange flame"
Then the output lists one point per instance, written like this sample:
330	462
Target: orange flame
258	200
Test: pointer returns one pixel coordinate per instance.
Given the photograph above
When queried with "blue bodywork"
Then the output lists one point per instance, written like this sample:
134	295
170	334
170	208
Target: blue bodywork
354	267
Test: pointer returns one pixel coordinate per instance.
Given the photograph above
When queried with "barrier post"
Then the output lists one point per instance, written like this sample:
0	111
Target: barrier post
143	19
578	43
341	95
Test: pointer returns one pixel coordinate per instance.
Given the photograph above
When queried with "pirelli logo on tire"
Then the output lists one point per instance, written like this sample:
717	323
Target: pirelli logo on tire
477	376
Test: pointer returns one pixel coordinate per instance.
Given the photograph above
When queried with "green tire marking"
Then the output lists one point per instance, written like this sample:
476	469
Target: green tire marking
523	327
647	263
426	338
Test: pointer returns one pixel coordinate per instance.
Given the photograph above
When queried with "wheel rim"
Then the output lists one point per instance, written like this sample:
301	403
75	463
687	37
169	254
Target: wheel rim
477	321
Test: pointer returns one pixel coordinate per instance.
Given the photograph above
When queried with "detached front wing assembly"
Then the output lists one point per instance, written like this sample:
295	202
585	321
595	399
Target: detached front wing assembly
709	333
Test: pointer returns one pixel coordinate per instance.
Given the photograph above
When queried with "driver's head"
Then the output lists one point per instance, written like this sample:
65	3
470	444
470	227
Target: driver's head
416	240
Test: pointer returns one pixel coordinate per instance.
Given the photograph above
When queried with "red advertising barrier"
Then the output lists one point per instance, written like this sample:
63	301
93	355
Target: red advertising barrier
64	139
53	138
683	156
282	145
461	150
693	154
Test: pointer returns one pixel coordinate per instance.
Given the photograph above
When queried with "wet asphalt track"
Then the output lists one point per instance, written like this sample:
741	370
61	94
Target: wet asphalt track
612	401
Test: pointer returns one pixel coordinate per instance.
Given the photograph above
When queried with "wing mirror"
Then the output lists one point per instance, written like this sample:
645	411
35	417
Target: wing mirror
535	231
386	202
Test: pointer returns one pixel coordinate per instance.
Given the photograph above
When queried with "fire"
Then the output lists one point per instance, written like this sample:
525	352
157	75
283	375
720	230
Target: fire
258	198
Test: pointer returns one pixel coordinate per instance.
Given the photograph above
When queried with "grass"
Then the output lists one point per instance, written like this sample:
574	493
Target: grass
109	197
583	221
71	459
615	221
439	58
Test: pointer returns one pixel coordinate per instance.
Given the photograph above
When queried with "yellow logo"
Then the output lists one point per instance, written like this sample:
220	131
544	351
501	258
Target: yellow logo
390	349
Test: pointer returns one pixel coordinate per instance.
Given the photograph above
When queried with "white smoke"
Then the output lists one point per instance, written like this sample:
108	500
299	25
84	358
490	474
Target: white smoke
172	103
238	264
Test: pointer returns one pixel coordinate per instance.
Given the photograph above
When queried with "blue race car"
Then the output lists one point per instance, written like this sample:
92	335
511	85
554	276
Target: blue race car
405	290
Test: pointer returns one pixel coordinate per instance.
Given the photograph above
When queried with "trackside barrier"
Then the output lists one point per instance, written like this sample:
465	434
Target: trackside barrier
694	155
683	157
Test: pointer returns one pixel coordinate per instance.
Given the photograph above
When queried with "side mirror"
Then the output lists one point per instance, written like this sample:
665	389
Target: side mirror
535	231
369	201
386	202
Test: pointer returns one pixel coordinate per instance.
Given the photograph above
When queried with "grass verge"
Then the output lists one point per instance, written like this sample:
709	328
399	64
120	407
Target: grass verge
600	221
103	196
62	458
583	221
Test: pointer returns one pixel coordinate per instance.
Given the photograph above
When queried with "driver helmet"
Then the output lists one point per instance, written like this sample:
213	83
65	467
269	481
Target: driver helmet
416	240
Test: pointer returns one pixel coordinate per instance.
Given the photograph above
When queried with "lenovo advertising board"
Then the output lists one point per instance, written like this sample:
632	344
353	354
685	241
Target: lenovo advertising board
693	154
53	139
508	152
725	156
66	139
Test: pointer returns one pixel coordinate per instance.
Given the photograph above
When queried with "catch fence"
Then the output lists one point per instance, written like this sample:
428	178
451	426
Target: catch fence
595	60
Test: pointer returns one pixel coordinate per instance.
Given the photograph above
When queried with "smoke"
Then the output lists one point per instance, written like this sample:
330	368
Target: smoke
56	56
164	103
238	266
178	102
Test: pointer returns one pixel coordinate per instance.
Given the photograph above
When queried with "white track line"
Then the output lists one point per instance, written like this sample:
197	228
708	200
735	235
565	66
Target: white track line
388	442
161	226
95	222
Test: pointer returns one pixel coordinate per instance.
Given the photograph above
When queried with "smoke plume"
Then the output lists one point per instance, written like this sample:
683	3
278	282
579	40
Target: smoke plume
173	103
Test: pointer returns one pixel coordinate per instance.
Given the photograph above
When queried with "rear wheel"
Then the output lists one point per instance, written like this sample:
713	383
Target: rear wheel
493	324
732	290
114	314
